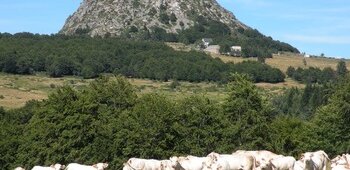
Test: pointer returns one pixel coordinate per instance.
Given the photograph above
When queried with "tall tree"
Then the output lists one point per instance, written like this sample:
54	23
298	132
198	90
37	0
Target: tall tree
248	112
341	68
331	122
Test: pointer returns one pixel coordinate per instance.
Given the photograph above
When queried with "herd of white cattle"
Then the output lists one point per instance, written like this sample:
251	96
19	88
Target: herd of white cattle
239	160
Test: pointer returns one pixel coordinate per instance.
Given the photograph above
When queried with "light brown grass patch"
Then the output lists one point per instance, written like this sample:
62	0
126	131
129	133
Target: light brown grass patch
14	98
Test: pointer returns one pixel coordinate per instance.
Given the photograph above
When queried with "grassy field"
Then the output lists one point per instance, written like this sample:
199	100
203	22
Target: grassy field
16	90
282	61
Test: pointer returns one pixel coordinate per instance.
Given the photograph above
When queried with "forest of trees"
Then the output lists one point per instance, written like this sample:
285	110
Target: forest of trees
58	55
316	75
107	121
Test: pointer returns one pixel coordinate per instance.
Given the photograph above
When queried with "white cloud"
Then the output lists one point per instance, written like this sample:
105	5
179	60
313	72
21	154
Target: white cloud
319	39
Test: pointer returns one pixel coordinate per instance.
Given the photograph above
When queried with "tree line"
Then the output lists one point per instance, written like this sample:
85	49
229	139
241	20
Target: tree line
107	121
57	55
317	75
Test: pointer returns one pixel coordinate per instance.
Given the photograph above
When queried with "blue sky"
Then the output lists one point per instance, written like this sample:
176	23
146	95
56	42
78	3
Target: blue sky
313	26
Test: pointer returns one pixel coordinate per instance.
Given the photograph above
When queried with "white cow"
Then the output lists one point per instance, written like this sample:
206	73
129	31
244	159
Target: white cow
52	167
340	167
339	160
336	159
283	163
299	165
98	166
188	162
19	168
142	164
262	158
315	160
220	164
235	161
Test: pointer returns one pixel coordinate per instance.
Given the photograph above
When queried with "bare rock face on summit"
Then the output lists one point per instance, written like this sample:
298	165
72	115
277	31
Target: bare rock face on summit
113	17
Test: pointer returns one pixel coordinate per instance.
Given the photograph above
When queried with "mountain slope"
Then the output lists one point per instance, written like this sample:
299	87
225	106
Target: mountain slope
170	20
99	17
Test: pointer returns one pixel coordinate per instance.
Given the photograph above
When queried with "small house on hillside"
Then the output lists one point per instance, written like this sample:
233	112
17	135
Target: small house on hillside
206	42
236	51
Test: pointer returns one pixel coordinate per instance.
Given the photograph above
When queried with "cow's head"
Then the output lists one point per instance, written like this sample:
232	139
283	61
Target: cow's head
57	166
174	159
174	162
307	159
167	165
100	166
263	164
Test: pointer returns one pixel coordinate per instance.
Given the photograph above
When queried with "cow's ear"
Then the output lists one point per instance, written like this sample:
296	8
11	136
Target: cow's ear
95	165
52	166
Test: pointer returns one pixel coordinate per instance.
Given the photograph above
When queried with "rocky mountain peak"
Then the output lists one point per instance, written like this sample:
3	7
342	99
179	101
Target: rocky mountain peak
101	17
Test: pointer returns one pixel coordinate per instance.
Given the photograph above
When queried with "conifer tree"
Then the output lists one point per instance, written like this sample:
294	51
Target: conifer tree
248	112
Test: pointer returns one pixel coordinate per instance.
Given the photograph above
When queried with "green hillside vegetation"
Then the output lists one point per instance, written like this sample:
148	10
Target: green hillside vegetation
108	121
316	75
58	56
254	44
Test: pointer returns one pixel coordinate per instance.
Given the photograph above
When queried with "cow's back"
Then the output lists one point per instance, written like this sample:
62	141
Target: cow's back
283	163
143	164
192	163
239	161
42	168
76	166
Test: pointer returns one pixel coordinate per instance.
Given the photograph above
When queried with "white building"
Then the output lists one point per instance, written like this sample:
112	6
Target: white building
206	42
307	55
236	51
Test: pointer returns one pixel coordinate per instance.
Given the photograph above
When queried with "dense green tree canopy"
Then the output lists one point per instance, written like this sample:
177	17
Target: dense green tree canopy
107	121
89	57
248	112
313	75
331	122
